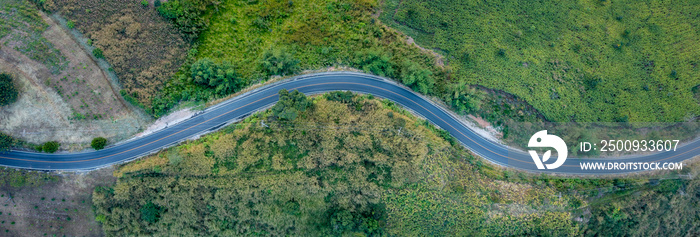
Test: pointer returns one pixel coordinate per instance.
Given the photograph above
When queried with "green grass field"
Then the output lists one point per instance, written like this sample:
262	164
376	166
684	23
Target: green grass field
584	61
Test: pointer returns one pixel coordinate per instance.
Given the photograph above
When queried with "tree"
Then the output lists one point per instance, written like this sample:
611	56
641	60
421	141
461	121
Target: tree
186	14
98	143
8	92
375	62
290	104
278	62
465	99
417	77
50	147
221	77
6	142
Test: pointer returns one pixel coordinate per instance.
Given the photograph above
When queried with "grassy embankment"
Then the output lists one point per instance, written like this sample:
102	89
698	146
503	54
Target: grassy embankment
629	63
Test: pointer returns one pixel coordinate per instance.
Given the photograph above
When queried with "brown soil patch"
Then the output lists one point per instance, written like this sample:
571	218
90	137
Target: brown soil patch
70	107
483	123
63	208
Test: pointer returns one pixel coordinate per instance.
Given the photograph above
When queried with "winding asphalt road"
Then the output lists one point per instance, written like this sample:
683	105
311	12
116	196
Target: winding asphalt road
241	106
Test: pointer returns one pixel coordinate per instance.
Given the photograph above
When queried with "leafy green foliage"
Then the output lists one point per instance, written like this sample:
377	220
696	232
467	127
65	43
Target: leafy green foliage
375	62
278	62
417	77
98	143
186	14
8	92
220	76
290	104
150	212
70	24
6	142
583	61
97	52
340	96
465	99
49	147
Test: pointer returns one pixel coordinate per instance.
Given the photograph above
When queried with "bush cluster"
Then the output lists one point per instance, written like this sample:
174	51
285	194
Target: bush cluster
6	142
98	143
278	62
49	147
8	91
290	104
219	76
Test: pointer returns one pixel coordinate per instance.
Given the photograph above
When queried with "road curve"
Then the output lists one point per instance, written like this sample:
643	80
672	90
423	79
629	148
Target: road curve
244	105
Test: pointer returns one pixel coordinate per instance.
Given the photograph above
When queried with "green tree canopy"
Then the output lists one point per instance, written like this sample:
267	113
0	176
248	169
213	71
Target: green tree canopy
8	92
50	147
290	104
220	76
279	62
465	99
417	77
98	143
372	61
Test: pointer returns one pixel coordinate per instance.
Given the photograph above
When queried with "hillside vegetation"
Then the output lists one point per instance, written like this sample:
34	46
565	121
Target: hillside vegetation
143	48
262	39
584	61
332	165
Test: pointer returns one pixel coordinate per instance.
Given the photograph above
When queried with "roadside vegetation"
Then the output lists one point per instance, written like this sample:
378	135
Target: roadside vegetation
264	39
337	164
98	143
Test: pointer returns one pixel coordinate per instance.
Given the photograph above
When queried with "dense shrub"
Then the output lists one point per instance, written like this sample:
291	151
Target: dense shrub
290	104
465	99
375	62
278	62
98	53
6	142
186	14
8	92
417	77
220	76
98	143
49	147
